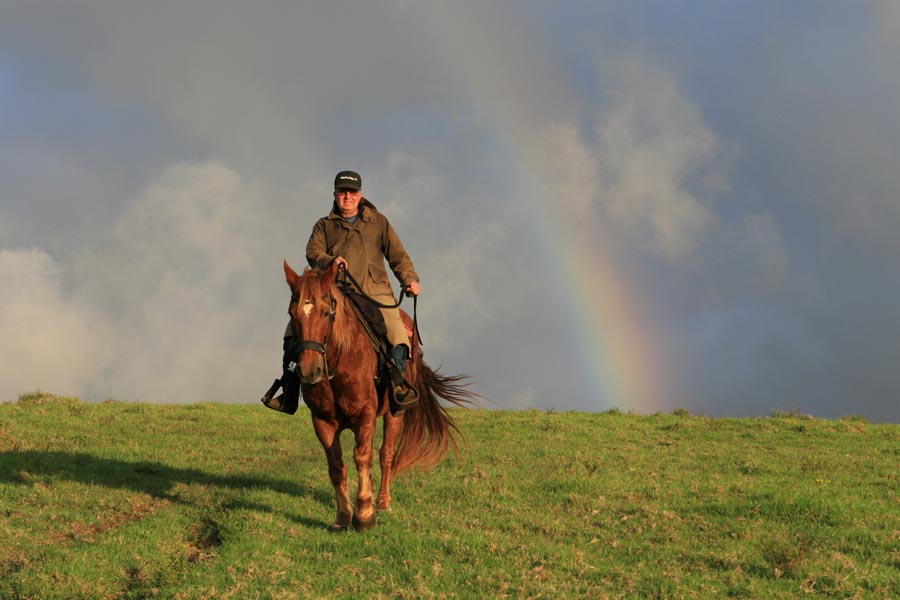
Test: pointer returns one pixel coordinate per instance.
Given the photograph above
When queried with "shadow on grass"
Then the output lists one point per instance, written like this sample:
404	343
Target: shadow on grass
152	478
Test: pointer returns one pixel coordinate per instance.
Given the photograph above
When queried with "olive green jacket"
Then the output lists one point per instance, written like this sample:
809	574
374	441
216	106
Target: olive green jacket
364	244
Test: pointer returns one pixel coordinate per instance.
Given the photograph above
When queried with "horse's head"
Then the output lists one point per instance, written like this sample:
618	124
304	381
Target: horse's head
313	312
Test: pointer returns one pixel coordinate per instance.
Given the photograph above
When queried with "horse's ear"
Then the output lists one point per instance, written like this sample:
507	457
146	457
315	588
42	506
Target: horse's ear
290	275
333	271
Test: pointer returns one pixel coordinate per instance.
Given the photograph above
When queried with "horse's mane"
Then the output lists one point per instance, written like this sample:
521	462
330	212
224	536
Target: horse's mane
318	285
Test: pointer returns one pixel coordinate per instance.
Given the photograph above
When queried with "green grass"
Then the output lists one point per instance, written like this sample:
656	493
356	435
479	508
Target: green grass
122	500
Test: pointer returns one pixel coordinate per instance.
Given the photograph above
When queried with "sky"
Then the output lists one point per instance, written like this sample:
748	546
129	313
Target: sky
642	206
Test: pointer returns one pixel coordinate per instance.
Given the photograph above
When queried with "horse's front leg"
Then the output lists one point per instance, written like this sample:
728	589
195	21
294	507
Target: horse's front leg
362	454
328	435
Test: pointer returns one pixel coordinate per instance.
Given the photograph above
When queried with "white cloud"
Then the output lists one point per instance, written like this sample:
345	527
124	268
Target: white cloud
570	175
660	164
49	340
191	301
454	254
411	187
651	173
191	274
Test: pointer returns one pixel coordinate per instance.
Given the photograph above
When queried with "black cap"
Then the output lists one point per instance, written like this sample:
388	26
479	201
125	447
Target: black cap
347	180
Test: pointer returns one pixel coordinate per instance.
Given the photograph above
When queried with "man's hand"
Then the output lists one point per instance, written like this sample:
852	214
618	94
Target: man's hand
413	289
341	262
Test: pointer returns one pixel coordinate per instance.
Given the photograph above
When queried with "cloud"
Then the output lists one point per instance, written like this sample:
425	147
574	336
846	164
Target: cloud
50	341
176	303
184	267
659	163
161	160
454	253
649	173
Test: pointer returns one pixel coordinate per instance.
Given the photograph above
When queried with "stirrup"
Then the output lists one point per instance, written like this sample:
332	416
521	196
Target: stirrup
402	396
285	402
268	397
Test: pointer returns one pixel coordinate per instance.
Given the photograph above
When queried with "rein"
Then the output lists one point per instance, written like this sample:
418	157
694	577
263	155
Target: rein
355	283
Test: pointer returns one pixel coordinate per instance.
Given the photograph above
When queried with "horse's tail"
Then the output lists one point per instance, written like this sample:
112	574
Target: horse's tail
429	431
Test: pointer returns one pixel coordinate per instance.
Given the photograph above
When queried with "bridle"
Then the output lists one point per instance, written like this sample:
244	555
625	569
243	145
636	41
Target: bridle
320	347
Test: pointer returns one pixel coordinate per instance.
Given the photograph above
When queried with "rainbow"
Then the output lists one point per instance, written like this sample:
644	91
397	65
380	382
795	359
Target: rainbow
610	329
611	332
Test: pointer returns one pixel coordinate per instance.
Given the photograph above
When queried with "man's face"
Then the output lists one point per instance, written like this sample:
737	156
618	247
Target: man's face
348	201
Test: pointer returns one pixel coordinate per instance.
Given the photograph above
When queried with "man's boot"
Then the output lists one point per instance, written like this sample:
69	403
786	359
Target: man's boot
403	394
289	400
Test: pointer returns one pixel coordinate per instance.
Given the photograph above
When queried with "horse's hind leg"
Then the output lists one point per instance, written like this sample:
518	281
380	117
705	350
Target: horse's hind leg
392	427
337	471
363	454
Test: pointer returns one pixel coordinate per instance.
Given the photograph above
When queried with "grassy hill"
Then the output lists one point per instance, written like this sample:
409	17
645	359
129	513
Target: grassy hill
123	500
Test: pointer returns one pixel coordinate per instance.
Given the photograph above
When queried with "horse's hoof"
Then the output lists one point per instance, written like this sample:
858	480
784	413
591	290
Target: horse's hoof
360	525
337	528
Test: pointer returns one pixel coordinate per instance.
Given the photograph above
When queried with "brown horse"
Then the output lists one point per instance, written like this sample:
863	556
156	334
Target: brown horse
339	379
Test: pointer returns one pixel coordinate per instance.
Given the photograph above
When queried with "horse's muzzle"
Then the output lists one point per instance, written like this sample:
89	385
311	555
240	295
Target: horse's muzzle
312	370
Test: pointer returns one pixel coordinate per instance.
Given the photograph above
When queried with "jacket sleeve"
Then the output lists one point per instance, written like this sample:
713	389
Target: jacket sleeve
316	249
397	257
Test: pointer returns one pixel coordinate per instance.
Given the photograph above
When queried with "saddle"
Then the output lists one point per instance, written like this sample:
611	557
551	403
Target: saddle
372	320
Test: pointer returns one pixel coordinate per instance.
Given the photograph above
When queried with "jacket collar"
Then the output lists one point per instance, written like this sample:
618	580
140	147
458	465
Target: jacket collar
367	211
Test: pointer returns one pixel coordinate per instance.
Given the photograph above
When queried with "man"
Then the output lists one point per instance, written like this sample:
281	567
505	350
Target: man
359	239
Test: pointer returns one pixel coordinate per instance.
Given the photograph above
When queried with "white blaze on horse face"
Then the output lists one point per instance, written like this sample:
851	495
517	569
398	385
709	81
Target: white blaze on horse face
307	308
